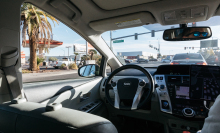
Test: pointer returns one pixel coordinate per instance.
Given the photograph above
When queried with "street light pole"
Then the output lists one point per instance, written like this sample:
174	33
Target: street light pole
68	53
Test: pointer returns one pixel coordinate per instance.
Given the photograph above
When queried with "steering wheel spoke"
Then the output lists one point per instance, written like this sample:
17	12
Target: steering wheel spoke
117	99
138	94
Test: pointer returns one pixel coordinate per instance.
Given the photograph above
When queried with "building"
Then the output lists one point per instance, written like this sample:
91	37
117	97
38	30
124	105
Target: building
42	45
133	55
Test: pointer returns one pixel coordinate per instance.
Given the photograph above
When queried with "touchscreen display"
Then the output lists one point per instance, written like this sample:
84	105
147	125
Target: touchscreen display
182	92
204	82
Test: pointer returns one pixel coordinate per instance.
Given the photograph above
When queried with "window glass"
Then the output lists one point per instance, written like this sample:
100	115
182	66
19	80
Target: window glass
59	52
144	45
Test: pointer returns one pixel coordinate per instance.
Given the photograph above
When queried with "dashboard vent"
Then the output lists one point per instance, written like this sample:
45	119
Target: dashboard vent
174	79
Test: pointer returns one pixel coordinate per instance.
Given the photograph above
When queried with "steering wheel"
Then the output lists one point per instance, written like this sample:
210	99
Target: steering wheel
129	90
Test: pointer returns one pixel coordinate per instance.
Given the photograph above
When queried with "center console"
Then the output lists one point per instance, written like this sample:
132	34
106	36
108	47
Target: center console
182	89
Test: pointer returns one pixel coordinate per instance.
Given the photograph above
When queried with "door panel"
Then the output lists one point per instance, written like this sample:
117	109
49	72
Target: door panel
73	98
73	94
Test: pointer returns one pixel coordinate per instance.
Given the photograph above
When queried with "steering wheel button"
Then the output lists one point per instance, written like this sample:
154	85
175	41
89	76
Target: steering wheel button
142	83
113	84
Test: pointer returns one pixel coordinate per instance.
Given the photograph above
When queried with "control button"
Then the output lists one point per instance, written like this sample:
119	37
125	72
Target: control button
188	112
157	78
165	104
142	83
188	128
162	87
161	78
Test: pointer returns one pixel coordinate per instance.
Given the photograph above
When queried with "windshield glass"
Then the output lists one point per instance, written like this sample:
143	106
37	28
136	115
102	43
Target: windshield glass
144	45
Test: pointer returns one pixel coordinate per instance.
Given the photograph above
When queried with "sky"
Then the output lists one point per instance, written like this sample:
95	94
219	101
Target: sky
63	33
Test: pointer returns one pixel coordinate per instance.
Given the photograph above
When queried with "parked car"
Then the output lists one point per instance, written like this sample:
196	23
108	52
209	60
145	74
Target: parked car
188	58
153	60
165	60
142	60
65	61
127	61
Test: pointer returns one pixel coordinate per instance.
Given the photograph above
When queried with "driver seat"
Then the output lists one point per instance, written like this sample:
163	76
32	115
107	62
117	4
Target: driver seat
28	117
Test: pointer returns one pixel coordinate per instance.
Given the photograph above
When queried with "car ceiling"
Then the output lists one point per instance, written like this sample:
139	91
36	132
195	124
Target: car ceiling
81	14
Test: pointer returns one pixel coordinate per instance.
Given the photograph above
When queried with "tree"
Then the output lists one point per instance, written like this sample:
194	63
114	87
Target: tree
35	23
75	56
53	59
92	52
39	60
164	56
151	57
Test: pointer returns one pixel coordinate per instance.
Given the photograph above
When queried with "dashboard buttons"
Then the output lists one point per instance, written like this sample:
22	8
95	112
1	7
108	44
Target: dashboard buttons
157	78
161	78
162	87
188	112
165	104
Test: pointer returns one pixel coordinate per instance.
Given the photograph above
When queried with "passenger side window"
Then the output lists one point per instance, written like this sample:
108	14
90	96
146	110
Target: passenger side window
58	52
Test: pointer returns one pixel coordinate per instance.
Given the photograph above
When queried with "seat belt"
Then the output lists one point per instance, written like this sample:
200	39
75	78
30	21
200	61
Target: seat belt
8	62
12	79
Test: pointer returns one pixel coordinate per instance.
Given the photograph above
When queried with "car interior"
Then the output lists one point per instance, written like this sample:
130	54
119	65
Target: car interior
179	98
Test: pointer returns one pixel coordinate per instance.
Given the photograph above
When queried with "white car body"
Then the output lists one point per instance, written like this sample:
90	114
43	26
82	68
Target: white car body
66	61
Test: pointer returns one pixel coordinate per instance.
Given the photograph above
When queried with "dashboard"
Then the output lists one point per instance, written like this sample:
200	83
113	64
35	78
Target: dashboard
181	99
184	90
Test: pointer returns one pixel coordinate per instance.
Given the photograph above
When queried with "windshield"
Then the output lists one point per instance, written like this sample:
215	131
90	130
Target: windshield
144	45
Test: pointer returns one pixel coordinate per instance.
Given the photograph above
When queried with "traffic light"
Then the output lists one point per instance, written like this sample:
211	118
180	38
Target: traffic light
135	36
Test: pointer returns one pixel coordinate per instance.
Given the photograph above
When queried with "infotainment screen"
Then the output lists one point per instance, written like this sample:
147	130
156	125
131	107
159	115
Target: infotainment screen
204	82
182	92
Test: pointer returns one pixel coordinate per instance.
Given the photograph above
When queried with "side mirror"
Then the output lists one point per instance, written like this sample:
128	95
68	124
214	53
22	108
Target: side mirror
187	33
90	70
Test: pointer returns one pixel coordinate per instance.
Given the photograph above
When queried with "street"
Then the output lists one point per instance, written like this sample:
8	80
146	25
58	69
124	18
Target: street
68	74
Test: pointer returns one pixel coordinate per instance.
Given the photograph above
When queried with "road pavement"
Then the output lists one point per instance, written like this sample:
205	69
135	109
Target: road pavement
68	74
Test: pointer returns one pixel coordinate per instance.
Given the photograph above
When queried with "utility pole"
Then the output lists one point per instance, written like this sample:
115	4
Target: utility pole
111	41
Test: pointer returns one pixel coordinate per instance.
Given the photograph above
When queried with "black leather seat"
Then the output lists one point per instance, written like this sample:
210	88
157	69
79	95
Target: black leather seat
31	117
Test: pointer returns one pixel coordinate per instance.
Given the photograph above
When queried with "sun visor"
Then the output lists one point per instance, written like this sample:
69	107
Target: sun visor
121	22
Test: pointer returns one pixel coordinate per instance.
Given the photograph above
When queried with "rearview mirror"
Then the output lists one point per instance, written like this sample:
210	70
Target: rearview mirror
90	70
188	33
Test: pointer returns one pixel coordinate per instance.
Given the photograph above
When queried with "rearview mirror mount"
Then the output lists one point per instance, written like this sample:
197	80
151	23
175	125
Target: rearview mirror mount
187	33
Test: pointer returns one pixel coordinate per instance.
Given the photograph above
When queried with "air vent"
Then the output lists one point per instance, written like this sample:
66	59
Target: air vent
174	79
186	79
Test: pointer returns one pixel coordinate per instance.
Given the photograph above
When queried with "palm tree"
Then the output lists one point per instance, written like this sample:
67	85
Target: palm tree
92	52
35	23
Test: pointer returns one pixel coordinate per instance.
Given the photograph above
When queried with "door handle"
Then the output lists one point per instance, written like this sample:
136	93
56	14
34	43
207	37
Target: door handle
85	96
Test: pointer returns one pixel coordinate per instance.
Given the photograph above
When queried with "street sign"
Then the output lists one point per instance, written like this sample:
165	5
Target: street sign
118	41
